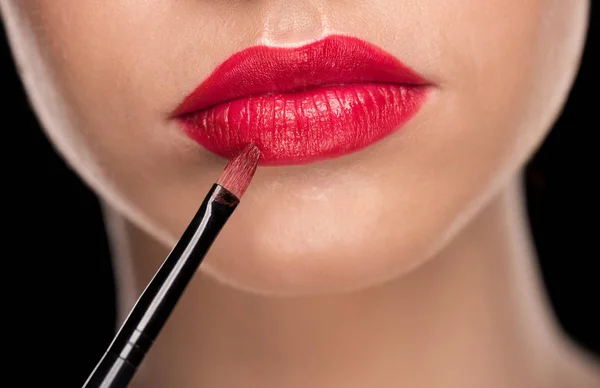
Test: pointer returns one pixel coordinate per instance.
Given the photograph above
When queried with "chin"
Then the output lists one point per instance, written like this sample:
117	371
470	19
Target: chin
302	240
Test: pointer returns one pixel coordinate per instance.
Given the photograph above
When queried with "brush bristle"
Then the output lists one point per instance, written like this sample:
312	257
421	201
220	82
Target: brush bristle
239	171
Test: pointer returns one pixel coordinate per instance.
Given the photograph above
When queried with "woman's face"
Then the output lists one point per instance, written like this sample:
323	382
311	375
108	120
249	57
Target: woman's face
106	77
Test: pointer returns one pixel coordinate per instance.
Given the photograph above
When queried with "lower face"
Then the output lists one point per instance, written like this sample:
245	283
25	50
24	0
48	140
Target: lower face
108	80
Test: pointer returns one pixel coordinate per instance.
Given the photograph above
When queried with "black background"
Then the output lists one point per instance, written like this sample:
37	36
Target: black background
58	277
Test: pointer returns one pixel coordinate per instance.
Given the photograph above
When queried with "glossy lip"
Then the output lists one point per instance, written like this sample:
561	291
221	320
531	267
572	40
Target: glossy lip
304	104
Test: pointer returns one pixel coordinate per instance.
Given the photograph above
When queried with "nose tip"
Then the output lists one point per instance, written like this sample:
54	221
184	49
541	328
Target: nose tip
293	22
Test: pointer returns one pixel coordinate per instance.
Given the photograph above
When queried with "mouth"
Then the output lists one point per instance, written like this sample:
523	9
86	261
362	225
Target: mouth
304	104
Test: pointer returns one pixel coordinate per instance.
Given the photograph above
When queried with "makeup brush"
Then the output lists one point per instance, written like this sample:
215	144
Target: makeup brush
151	311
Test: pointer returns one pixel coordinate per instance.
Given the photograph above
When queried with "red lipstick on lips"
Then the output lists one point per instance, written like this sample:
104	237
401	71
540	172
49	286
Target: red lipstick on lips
303	104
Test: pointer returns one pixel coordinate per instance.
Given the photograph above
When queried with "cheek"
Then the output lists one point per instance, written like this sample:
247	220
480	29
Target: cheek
104	88
513	64
509	67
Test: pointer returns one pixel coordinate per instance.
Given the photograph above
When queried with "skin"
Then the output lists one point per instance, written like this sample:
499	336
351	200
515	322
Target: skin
405	263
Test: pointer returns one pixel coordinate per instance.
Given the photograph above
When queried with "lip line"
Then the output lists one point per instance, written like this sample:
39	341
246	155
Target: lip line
184	113
299	105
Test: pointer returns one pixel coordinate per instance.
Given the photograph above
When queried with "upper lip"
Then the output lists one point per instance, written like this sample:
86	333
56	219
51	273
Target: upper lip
329	61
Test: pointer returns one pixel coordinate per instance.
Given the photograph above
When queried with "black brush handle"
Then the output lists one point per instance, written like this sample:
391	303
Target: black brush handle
151	311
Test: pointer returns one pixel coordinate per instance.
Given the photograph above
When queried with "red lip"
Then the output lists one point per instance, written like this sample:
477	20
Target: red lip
304	104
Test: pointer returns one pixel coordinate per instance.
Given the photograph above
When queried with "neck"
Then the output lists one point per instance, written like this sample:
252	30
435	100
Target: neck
472	317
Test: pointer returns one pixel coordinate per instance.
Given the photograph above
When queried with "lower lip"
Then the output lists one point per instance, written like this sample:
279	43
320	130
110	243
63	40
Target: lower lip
307	126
